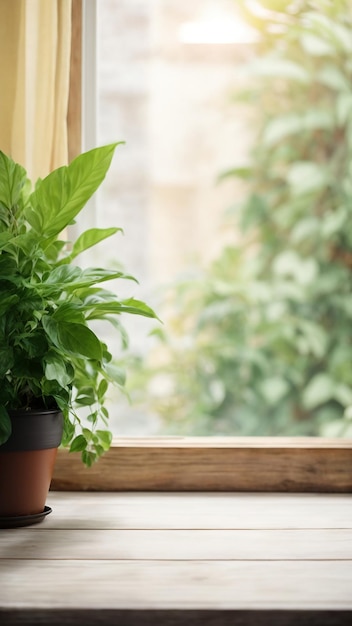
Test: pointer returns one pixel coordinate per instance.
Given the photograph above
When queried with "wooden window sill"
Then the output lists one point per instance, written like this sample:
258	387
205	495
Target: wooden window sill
181	559
293	464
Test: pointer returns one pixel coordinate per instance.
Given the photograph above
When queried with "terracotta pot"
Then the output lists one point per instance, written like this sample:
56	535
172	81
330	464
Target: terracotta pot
27	461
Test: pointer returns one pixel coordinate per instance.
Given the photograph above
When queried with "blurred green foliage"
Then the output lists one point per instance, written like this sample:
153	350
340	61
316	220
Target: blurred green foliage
259	343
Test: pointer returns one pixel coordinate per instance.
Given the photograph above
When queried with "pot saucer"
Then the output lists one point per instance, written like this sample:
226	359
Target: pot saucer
23	520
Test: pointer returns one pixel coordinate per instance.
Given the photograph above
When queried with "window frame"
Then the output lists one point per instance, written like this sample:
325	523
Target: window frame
74	109
289	464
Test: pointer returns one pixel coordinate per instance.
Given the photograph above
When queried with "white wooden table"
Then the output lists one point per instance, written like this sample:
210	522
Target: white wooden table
181	558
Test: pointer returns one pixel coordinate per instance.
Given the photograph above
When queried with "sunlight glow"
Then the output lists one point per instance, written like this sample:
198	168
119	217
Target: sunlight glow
217	23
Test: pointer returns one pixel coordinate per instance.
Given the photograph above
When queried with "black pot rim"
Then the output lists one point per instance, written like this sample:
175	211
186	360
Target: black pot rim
27	412
34	430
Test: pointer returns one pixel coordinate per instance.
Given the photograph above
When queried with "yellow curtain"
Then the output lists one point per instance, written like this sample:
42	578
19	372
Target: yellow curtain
35	40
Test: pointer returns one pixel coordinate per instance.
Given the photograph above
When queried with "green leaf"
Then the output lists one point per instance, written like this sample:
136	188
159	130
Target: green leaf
30	369
115	374
98	449
59	370
84	401
319	390
7	303
75	339
271	67
35	344
331	29
72	279
5	425
343	394
60	196
136	307
35	218
78	444
69	429
88	239
344	108
88	457
102	389
274	389
305	229
289	263
27	242
53	248
315	45
334	222
13	177
306	177
6	359
332	77
92	276
314	338
64	275
243	172
87	433
86	396
5	238
105	438
283	126
69	312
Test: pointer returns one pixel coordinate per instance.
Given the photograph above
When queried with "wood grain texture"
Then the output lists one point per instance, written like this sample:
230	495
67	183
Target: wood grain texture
233	511
210	464
176	545
182	511
147	585
187	559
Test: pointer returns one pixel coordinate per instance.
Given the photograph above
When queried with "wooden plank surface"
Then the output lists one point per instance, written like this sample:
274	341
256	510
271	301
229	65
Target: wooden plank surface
169	584
178	545
208	464
182	511
181	559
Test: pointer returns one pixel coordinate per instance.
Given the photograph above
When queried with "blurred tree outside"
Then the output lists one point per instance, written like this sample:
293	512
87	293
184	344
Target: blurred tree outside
259	341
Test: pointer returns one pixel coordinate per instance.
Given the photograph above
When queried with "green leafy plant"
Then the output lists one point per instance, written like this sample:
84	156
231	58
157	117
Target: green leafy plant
49	354
260	341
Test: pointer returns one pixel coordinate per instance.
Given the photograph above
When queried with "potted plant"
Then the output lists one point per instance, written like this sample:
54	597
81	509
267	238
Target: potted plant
51	361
